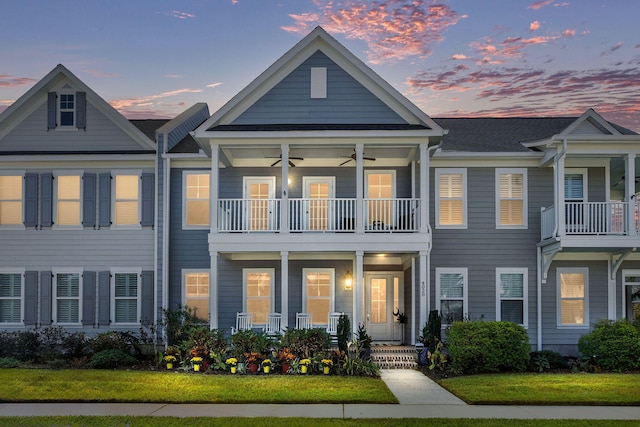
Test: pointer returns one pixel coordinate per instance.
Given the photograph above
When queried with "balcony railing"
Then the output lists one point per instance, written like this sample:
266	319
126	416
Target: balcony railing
590	218
318	215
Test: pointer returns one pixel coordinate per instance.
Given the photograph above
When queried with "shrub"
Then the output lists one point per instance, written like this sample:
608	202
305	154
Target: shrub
614	346
111	358
343	332
306	343
109	341
9	362
432	331
478	346
553	360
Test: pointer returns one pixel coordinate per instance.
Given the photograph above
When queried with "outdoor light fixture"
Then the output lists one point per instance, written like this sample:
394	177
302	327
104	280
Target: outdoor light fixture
348	281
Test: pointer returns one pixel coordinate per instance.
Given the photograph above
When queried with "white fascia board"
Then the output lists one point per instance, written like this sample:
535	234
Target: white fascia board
89	158
347	134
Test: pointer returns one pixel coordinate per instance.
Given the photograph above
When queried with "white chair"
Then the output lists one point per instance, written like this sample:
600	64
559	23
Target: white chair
332	326
244	322
274	324
303	321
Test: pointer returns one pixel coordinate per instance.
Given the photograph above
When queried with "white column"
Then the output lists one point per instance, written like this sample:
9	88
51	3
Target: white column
559	193
213	292
213	190
611	289
424	289
284	295
359	189
358	292
424	188
630	191
284	197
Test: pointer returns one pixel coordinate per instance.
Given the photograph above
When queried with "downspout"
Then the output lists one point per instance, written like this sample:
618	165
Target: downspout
165	235
539	298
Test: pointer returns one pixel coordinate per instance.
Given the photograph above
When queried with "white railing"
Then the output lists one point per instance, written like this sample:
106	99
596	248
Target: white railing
589	218
548	222
249	215
391	214
322	214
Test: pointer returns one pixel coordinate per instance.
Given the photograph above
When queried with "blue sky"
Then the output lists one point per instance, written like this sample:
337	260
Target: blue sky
455	58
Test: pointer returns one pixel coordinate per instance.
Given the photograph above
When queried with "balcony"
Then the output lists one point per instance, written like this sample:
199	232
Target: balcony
319	215
591	219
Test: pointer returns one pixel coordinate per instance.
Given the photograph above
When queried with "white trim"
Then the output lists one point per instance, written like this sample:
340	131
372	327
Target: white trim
59	110
465	196
332	293
572	270
21	272
56	175
184	273
54	294
585	181
125	270
525	293
185	174
625	273
465	290
114	175
525	191
272	290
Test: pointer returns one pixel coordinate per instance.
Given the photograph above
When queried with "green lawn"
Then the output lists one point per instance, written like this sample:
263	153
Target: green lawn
546	389
41	385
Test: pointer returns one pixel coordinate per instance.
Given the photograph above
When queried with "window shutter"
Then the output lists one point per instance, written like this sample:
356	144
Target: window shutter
104	310
46	202
104	201
31	200
146	309
81	110
30	297
52	100
89	200
148	189
45	297
89	298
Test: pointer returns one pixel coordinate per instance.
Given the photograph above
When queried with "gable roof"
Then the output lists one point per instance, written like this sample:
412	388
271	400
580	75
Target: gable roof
37	95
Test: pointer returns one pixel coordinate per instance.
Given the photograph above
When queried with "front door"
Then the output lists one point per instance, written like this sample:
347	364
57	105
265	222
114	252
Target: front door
259	195
383	297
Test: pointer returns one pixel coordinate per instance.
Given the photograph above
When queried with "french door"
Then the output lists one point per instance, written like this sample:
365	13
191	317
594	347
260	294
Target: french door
260	203
318	192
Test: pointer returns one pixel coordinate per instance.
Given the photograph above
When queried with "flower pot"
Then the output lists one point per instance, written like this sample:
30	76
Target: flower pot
285	367
196	368
303	369
266	368
233	369
169	365
253	367
326	370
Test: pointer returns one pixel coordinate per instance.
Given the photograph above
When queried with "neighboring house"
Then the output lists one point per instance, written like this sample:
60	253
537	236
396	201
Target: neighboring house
77	211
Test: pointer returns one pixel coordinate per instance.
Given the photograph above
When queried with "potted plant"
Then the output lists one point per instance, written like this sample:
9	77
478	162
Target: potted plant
196	362
285	357
266	365
253	360
169	360
402	321
233	363
326	366
363	343
304	365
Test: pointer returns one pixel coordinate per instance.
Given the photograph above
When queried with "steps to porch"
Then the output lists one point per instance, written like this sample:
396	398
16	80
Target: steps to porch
394	356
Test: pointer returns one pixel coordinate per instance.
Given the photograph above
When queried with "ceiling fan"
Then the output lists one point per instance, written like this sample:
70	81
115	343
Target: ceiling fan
280	159
622	179
353	157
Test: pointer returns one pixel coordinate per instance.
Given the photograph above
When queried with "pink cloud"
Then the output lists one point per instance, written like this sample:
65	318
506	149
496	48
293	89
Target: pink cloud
540	4
98	73
535	25
459	56
612	49
214	85
7	80
146	103
392	29
180	15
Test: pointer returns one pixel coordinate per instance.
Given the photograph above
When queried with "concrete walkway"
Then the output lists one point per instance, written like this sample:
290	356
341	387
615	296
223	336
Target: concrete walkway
419	397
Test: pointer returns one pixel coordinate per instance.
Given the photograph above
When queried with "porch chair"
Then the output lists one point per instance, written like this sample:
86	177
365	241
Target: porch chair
274	324
332	326
303	321
244	322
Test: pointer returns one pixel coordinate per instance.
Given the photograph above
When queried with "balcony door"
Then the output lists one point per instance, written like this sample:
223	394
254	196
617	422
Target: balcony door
383	296
380	185
259	195
575	183
318	209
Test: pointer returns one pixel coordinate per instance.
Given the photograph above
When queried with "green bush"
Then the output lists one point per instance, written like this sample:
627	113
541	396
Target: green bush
432	330
343	332
306	343
9	362
553	359
478	346
112	358
614	346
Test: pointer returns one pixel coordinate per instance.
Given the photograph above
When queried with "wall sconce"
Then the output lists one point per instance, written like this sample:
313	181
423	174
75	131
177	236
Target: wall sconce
348	281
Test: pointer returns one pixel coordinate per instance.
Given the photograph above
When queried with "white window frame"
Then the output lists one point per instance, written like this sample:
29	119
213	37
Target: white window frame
187	271
272	288
60	110
332	285
21	272
465	196
571	270
185	175
57	175
19	226
625	274
138	272
525	293
525	205
585	184
465	290
114	175
63	271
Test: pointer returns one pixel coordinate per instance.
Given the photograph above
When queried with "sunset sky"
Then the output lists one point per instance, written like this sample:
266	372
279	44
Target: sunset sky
457	58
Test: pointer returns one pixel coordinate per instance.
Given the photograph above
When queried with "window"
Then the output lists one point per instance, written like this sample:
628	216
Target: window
258	293
511	304
196	199
196	293
573	285
11	297
67	109
451	204
451	293
380	190
511	200
318	82
575	183
68	196
318	294
67	297
126	302
126	200
11	199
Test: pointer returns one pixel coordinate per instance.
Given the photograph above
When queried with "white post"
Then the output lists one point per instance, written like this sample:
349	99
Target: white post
213	292
213	189
424	188
423	288
358	294
284	197
359	189
284	274
630	191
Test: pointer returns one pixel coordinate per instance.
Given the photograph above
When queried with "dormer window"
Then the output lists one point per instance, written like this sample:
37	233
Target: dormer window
67	109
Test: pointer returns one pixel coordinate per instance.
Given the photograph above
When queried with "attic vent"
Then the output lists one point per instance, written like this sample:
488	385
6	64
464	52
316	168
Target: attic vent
318	82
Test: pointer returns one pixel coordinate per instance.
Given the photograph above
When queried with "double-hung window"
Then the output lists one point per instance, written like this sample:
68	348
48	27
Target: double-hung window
11	285
511	295
68	199
126	203
451	198
67	301
451	293
67	109
511	198
318	293
258	293
126	297
11	199
573	296
196	199
196	293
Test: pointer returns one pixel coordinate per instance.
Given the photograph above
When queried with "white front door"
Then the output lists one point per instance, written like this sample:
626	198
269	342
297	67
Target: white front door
318	213
260	205
383	296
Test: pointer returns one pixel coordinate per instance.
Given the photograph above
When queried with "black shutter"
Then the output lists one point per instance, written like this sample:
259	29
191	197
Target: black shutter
45	297
81	110
104	299
46	202
52	100
30	199
88	298
146	315
30	298
89	200
104	205
148	189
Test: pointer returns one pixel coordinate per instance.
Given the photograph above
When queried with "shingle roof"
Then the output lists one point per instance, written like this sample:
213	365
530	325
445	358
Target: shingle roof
149	126
186	145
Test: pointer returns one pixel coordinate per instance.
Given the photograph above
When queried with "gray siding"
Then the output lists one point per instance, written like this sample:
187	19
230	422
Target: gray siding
347	102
